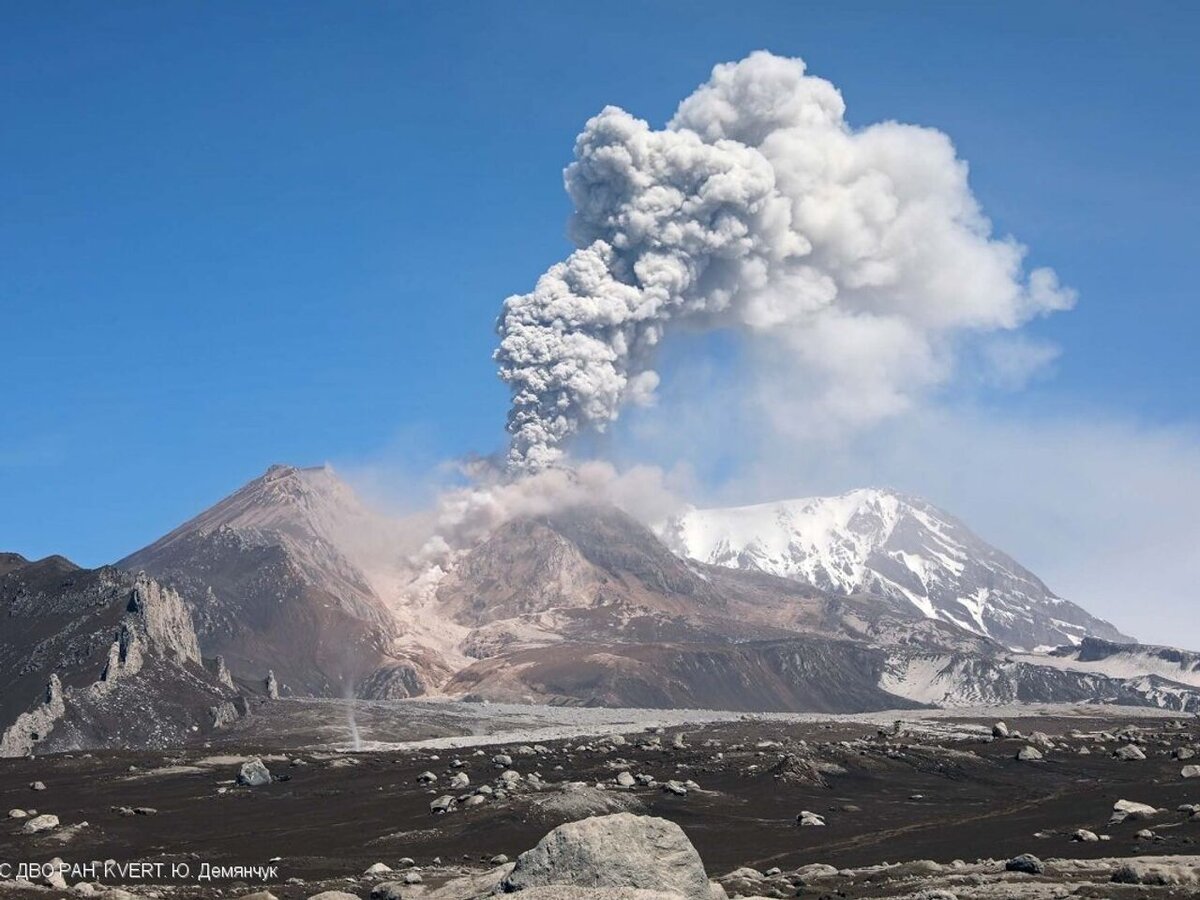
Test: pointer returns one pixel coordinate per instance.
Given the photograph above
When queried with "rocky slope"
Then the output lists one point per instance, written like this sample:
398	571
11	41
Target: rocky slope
277	578
886	544
100	658
587	606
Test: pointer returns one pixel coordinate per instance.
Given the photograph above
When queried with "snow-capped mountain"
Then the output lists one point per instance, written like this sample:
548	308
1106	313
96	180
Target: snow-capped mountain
880	542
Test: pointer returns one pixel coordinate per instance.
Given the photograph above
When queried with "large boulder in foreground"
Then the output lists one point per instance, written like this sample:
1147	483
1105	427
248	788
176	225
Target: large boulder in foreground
617	851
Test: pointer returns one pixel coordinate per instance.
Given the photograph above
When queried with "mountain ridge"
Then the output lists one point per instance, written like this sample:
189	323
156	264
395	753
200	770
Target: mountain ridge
583	604
883	542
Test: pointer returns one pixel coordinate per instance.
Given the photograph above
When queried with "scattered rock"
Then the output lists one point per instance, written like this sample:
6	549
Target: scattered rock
1190	772
442	804
388	890
1029	754
624	779
621	850
1085	836
37	786
809	819
377	869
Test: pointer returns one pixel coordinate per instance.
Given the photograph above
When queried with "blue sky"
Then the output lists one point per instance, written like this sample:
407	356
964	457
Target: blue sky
233	234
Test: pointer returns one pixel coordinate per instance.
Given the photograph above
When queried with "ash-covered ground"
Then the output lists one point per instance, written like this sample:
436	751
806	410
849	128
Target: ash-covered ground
879	805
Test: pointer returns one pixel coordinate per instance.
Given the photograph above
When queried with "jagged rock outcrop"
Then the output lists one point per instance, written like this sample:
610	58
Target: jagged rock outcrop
20	737
97	658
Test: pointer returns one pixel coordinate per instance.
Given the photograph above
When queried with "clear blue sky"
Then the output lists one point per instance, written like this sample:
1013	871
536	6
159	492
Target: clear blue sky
238	233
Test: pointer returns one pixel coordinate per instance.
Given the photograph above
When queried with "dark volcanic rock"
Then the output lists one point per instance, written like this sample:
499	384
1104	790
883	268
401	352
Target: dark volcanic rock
97	658
812	674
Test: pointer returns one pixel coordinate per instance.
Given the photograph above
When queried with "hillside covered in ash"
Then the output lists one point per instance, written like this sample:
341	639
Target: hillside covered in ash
293	582
101	658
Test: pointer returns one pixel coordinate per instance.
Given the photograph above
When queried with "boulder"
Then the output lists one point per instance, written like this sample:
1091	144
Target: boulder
388	890
1129	752
619	850
442	804
1156	873
1029	754
815	872
254	774
1000	730
333	895
39	823
1027	863
1041	740
1127	809
1190	772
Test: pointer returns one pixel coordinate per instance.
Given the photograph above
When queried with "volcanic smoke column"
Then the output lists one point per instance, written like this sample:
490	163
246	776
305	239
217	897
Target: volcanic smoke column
858	254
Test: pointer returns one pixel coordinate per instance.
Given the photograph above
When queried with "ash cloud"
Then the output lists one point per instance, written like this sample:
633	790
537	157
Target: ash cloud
858	257
467	515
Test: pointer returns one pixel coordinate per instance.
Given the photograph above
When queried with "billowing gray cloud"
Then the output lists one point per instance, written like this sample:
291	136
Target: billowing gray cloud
858	255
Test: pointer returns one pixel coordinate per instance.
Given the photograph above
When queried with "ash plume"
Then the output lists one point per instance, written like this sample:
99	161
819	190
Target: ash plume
859	256
467	515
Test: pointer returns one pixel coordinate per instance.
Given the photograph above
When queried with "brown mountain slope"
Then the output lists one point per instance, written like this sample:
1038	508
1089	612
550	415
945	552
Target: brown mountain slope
273	578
